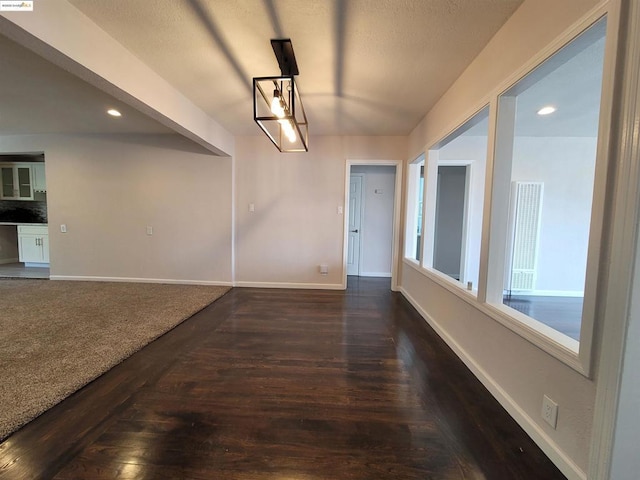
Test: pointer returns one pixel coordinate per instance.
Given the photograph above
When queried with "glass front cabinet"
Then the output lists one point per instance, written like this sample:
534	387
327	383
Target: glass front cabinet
17	183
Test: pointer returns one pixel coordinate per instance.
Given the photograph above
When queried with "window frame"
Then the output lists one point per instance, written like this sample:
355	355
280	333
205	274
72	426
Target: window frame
575	354
432	162
411	243
578	357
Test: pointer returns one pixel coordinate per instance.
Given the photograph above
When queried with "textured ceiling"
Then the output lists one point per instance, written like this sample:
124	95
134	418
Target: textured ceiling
367	67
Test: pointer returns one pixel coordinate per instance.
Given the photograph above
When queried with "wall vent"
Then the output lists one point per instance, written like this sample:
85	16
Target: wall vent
527	215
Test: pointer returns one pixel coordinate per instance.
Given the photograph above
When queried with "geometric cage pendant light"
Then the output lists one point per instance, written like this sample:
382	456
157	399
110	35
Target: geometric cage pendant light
277	108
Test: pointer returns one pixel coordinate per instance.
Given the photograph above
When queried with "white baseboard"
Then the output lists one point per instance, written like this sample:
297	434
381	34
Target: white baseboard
548	293
8	260
88	278
306	286
567	466
375	274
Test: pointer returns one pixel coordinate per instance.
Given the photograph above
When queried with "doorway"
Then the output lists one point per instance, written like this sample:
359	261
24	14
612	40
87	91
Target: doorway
24	236
371	231
449	250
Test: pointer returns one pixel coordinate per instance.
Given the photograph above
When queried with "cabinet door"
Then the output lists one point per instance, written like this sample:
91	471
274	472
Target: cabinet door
8	184
29	249
24	182
39	180
45	248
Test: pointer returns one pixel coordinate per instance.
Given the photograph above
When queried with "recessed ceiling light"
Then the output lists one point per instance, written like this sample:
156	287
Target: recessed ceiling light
546	110
114	113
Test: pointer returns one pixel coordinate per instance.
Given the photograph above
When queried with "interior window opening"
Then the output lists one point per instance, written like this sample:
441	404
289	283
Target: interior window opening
455	200
546	152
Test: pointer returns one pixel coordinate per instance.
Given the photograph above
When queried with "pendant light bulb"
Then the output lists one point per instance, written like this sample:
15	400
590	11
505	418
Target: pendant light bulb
288	130
276	104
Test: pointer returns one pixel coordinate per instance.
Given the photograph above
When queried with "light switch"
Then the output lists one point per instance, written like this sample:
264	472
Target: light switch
63	228
252	207
340	211
149	230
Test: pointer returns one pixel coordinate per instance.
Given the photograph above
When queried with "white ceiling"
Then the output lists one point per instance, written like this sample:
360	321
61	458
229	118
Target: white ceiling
39	97
367	67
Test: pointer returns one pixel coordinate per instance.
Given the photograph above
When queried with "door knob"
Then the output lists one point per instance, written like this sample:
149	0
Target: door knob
354	231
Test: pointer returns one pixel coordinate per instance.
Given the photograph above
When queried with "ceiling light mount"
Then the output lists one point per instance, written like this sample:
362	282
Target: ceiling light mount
283	50
277	108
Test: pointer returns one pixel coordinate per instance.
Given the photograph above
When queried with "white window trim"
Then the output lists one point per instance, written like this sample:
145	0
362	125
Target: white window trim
576	355
470	172
623	247
410	221
432	162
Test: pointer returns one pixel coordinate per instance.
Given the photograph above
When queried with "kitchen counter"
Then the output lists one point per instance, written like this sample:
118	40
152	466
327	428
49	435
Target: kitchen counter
14	212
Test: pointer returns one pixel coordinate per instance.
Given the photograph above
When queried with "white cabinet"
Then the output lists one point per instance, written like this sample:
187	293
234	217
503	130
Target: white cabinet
33	244
39	181
16	181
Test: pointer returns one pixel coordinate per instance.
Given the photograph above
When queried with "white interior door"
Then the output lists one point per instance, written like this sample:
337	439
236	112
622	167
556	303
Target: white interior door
355	224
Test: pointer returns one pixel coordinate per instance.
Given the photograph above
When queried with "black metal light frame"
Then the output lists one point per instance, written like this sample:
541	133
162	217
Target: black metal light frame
294	112
285	84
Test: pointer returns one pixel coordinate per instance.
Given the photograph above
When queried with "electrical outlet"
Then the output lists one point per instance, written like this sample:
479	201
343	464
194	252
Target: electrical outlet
324	269
550	411
149	230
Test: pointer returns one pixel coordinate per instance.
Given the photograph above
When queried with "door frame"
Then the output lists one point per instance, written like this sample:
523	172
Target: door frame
397	202
466	218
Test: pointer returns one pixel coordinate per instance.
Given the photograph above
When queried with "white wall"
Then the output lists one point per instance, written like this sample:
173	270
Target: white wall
377	223
107	189
515	371
296	226
8	243
566	166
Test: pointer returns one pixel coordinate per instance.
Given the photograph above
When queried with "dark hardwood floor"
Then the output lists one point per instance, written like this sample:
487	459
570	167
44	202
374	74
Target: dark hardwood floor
283	385
563	314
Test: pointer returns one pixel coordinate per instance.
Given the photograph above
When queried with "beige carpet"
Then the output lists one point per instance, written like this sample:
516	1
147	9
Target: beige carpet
57	336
